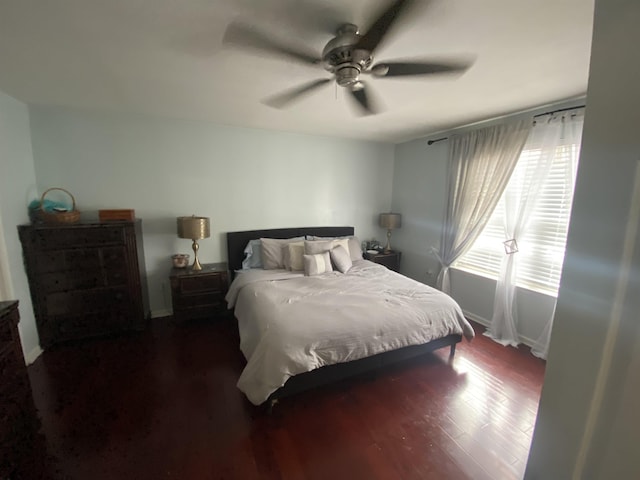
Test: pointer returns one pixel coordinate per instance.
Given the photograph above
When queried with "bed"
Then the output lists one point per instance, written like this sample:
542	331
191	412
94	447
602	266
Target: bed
299	332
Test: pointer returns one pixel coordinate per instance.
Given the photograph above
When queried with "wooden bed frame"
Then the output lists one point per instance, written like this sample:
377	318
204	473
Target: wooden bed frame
236	243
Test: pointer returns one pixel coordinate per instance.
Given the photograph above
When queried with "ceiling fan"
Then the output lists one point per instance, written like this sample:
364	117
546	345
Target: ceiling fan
347	56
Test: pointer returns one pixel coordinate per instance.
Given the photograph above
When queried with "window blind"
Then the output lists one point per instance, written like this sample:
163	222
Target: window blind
541	250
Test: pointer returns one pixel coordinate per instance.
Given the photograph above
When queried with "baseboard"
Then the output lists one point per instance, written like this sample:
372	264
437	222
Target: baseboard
33	355
484	322
161	313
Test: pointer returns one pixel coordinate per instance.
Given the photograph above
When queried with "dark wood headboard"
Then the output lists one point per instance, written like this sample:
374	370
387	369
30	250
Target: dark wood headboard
237	241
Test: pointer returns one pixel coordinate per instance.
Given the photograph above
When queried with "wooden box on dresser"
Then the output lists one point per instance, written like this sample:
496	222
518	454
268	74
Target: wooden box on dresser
86	279
22	446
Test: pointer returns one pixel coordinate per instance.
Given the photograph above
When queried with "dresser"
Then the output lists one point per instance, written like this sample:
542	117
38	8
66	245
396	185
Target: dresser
86	280
391	259
22	446
199	293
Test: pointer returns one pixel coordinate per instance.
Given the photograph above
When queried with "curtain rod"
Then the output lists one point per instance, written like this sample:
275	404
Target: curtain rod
558	111
431	142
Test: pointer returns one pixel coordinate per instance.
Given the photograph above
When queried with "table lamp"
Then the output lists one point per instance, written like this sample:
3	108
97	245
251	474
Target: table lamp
195	228
390	221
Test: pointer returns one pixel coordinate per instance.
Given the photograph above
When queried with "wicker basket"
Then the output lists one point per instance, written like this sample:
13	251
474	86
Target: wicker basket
71	216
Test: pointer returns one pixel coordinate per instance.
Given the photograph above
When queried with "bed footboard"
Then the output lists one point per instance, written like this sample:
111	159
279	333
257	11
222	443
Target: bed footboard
334	373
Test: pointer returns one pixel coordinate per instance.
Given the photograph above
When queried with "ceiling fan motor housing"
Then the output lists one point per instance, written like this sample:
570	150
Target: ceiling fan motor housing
341	58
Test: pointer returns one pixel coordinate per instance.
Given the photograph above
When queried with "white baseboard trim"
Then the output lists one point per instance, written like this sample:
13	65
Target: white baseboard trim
33	355
161	313
484	322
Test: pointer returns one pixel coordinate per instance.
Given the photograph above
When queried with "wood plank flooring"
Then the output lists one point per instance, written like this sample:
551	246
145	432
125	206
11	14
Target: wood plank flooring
163	404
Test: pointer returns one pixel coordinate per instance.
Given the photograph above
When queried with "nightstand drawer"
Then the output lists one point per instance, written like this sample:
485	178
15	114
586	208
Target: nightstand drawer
198	299
204	283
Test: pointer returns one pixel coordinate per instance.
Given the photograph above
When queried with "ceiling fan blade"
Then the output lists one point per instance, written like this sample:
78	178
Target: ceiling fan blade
404	69
380	27
282	99
242	35
363	99
312	17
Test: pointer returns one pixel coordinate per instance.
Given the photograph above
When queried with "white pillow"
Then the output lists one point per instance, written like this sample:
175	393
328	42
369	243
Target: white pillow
272	257
341	259
317	264
292	254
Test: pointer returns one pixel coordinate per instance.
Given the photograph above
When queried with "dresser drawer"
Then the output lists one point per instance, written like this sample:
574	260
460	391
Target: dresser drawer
88	325
61	281
6	335
85	301
67	260
57	238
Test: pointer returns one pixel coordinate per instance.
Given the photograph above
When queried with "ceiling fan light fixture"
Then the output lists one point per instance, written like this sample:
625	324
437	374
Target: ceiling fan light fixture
347	75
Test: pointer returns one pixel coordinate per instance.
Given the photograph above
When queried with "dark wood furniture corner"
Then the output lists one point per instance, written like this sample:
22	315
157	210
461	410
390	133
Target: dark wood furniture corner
22	446
390	260
199	293
87	279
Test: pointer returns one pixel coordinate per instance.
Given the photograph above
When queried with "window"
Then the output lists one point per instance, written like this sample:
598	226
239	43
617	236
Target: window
541	249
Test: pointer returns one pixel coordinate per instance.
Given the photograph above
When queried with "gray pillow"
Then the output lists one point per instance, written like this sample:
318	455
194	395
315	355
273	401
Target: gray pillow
252	255
272	257
317	264
341	259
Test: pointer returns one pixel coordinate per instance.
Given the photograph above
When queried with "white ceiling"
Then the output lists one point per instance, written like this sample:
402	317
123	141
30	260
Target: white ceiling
165	57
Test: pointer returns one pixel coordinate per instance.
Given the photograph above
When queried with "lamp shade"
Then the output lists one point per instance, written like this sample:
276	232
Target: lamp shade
193	227
390	220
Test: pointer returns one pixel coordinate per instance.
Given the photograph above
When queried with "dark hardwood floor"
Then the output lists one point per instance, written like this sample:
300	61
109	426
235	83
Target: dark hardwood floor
163	404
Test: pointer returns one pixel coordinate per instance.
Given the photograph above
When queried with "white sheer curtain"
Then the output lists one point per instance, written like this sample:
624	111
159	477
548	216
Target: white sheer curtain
480	164
572	134
547	140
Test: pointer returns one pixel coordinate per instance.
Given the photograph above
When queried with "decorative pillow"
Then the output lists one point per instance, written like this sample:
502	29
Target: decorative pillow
272	257
314	247
341	259
292	254
355	248
252	255
317	264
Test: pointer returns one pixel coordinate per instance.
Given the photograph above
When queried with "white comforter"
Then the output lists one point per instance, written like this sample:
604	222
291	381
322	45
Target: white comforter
290	324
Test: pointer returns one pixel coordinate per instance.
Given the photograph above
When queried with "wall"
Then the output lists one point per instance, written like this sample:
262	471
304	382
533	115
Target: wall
419	193
588	424
17	184
240	178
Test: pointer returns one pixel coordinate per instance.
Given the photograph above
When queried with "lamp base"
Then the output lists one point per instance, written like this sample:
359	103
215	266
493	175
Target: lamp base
387	247
196	263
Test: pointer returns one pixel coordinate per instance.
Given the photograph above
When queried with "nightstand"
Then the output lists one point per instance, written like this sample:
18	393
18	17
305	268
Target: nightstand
199	293
390	260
